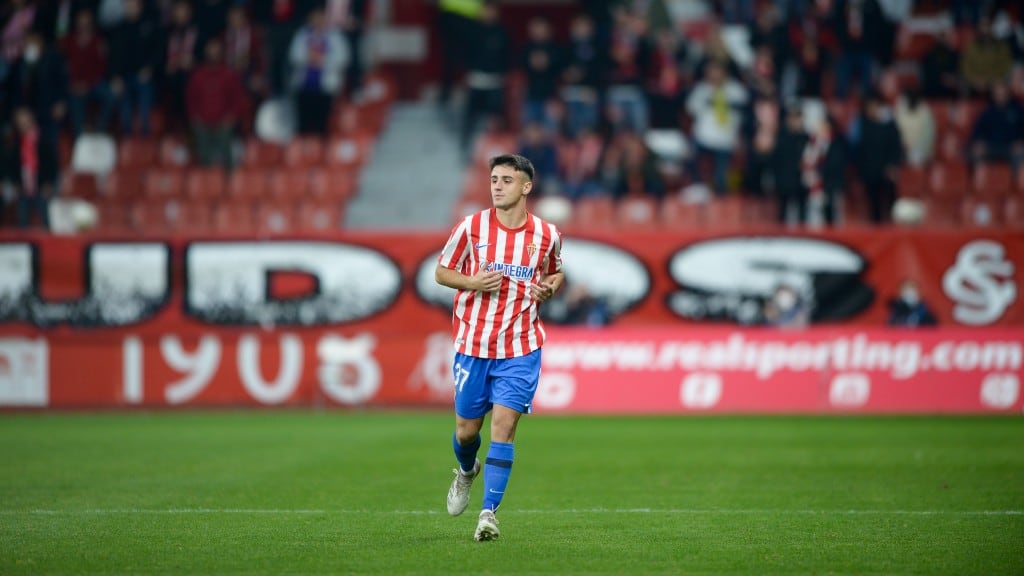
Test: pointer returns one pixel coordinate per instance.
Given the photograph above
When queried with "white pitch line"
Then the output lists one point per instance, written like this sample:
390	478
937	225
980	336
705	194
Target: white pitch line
580	511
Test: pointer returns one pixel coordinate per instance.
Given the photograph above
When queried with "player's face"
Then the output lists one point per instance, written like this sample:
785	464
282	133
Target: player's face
508	187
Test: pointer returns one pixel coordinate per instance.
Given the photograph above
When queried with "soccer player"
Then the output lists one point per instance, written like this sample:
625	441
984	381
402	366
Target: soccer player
503	262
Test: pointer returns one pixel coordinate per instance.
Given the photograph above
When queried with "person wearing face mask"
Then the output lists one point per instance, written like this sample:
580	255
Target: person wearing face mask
786	309
909	310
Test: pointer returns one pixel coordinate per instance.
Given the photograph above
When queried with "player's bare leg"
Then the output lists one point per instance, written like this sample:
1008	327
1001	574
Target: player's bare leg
497	470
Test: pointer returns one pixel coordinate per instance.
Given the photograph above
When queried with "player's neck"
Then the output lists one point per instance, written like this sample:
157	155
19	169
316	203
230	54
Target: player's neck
512	217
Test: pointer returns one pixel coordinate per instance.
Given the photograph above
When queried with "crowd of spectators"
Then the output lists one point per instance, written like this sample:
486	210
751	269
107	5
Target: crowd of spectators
201	66
801	102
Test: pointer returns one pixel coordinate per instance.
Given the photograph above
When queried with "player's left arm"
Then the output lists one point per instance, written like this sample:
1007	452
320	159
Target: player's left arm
553	277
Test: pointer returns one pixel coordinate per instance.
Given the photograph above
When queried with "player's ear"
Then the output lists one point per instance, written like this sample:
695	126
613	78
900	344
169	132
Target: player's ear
527	187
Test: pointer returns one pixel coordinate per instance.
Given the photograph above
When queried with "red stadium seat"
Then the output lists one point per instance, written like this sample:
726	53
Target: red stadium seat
164	183
151	216
193	217
349	151
173	152
275	217
303	152
1013	211
247	184
981	212
942	211
992	180
234	218
676	214
637	212
331	183
490	144
206	183
292	184
594	212
113	216
727	212
949	180
912	182
123	184
136	153
319	216
80	185
260	154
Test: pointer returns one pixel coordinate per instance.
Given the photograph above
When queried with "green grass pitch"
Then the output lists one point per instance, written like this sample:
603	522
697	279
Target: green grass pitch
339	492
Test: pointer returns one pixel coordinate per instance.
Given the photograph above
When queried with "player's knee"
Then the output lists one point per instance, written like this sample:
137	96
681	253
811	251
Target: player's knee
466	431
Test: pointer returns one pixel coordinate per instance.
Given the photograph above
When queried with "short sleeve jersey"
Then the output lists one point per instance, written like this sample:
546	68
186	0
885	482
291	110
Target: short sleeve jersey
505	323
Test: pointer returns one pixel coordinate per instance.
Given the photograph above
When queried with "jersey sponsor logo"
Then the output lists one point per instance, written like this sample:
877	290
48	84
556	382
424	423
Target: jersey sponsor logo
729	279
980	282
511	270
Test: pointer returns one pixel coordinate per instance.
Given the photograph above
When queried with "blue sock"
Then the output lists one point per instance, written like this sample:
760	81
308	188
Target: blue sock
466	455
496	473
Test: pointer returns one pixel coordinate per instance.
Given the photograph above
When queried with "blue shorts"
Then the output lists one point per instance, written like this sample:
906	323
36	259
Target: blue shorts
480	383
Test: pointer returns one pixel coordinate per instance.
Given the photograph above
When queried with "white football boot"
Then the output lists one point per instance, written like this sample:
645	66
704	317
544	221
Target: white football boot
486	527
458	493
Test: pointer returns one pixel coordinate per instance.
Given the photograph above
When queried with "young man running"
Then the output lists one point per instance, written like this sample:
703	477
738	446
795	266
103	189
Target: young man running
503	262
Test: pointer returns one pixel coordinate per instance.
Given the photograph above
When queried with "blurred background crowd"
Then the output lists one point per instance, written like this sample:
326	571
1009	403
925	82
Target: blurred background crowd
816	112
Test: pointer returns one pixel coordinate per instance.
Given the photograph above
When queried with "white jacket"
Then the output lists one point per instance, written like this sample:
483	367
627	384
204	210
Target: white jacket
708	129
335	60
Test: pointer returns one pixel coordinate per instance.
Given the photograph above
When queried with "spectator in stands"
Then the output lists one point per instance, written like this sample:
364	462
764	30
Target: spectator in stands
55	19
998	134
211	19
760	77
457	23
132	62
20	18
584	76
181	50
940	68
986	59
38	82
31	193
352	17
279	19
908	309
788	163
630	168
245	53
917	128
630	53
488	66
786	309
714	104
768	32
826	154
318	56
811	68
862	29
86	54
879	154
541	62
1008	27
762	129
665	81
538	145
581	162
716	52
214	97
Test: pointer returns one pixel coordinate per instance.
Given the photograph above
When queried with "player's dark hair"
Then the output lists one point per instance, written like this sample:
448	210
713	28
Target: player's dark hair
520	163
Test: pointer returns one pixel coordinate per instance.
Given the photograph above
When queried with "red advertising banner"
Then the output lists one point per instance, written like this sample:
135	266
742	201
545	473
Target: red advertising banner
356	319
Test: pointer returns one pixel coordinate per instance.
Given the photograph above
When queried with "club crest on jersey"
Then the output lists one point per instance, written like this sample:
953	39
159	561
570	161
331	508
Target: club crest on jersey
531	249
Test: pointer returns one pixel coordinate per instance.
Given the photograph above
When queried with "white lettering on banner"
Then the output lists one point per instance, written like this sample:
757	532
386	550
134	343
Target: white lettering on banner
24	372
980	282
849	390
434	370
555	390
1000	391
131	369
902	360
229	282
127	283
701	390
283	386
349	373
198	367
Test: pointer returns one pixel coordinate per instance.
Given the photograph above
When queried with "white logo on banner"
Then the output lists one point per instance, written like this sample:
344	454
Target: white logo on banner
701	390
980	282
556	390
849	390
1000	391
434	369
24	372
287	380
349	373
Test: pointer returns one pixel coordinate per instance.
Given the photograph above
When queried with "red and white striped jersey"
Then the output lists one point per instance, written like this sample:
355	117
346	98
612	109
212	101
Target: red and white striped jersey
506	323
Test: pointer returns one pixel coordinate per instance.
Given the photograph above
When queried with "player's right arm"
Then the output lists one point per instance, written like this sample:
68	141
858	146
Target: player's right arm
451	260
